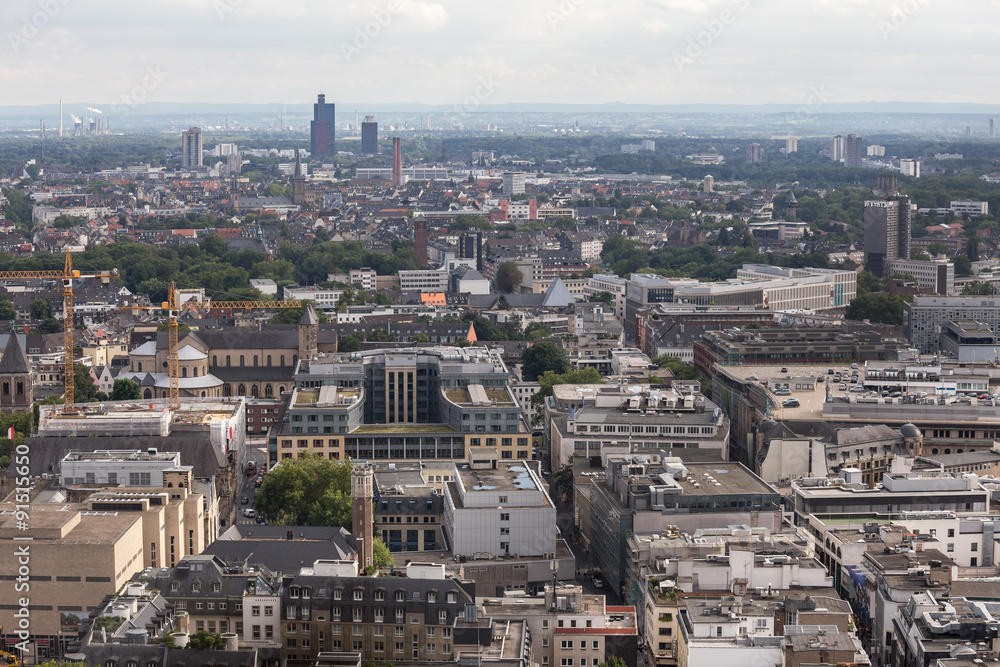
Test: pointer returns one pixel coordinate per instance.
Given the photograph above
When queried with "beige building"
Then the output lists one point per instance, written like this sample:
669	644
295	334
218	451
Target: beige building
75	557
102	352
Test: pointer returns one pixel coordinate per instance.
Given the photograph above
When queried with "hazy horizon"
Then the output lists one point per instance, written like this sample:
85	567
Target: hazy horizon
465	55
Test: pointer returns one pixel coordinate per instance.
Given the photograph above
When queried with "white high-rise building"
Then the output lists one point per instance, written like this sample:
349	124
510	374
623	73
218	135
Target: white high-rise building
909	168
513	183
837	149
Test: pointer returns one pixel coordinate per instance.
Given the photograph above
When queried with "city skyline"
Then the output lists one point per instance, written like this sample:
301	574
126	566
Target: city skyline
581	51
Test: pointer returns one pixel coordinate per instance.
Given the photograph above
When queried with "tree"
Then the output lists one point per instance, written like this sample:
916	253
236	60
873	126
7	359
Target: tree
508	277
684	371
40	309
880	308
978	288
204	640
542	357
869	282
294	315
125	389
420	338
84	389
972	249
380	554
310	490
963	266
550	379
613	661
602	297
49	326
937	248
537	331
7	311
466	221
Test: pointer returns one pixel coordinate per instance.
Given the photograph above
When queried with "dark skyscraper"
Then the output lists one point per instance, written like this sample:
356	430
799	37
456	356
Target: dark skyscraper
853	150
887	227
397	162
420	240
369	136
322	130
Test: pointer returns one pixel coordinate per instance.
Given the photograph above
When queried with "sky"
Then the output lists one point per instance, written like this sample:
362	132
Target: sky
466	53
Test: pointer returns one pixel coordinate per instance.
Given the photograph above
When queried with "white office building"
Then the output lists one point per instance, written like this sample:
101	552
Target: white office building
500	509
135	468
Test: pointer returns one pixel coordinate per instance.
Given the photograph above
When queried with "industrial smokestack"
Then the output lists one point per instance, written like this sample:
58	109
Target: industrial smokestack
397	162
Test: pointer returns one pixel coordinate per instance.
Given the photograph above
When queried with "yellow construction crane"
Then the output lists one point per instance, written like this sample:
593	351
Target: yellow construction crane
67	276
171	307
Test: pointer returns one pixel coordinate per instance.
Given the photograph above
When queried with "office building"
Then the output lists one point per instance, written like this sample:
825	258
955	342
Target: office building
595	420
369	136
322	129
191	148
927	317
502	510
898	492
887	228
513	184
791	145
413	403
853	151
755	153
636	495
933	274
993	128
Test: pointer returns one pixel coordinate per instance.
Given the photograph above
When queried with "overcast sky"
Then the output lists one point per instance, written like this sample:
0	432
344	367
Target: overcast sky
499	51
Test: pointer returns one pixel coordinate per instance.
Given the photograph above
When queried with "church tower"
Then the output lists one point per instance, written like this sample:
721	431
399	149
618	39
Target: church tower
362	512
298	182
17	391
308	332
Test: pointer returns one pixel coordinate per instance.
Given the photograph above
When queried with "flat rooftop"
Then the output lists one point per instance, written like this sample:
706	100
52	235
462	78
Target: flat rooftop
374	429
122	455
507	477
45	519
714	479
477	394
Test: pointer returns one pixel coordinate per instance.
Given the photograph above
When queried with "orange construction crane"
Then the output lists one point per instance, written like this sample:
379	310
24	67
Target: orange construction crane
67	276
171	307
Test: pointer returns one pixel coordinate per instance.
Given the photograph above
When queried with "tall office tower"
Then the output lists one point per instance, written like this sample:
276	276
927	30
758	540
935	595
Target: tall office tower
322	129
837	149
887	227
792	145
853	151
369	136
61	120
420	240
993	128
191	147
397	162
363	512
755	153
479	251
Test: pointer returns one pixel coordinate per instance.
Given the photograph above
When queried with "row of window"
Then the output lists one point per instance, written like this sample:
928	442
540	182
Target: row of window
648	430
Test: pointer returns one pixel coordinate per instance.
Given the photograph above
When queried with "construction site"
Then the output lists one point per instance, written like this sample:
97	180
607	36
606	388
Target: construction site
222	420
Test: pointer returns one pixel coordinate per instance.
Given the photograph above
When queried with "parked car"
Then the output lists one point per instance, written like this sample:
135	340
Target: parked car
249	513
782	392
843	386
244	501
790	403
